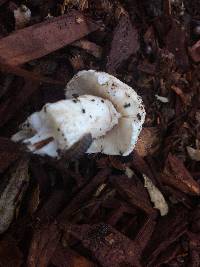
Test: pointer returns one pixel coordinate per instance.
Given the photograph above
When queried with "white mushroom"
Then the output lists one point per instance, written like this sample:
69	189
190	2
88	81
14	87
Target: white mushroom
96	103
122	138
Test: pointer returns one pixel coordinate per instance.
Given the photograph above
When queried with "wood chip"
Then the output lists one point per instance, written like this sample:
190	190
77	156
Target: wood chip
176	175
12	193
194	52
43	244
9	152
28	75
3	2
185	99
168	230
107	245
193	153
41	39
9	108
124	44
64	257
10	254
148	142
176	44
78	149
89	47
135	194
86	191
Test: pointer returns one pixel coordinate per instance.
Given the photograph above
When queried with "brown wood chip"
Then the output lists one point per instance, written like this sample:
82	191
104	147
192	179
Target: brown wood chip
78	149
124	44
176	44
9	152
194	52
43	38
43	244
68	257
176	175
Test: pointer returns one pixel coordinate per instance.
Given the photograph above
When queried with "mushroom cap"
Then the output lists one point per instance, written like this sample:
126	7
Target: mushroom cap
121	139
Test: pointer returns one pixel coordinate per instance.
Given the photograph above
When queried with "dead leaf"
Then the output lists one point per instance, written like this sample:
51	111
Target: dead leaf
162	99
43	38
156	196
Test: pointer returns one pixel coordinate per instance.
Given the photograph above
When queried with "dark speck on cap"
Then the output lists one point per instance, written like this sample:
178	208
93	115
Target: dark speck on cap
139	116
141	107
75	95
127	95
121	153
126	105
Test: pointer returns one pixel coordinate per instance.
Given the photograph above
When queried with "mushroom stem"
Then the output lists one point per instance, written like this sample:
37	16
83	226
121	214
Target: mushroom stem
58	126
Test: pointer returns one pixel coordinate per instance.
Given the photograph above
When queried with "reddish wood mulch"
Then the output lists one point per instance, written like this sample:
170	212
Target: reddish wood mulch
87	212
